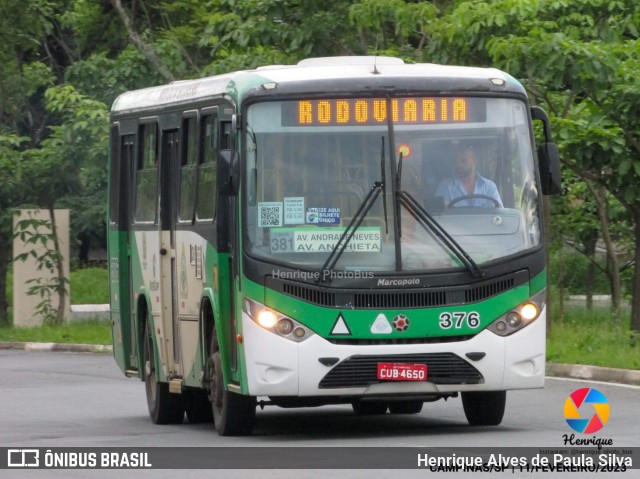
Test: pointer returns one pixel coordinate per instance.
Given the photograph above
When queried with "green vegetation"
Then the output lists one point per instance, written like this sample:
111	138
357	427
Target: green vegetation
575	270
81	332
590	337
90	286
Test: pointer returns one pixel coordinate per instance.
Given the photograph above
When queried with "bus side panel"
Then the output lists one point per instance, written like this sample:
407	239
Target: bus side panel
197	266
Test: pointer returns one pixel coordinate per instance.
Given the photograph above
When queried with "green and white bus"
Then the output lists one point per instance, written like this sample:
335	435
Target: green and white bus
292	236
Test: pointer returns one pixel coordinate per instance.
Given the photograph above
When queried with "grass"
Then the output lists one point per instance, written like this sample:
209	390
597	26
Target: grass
81	332
591	337
89	286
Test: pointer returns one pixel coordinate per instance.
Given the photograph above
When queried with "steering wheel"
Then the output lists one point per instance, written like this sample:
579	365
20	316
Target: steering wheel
495	202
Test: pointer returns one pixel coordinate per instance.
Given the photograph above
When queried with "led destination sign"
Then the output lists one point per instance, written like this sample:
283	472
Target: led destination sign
373	111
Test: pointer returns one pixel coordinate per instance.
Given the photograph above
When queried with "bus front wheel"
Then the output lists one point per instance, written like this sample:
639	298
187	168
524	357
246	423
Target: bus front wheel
164	407
484	408
233	414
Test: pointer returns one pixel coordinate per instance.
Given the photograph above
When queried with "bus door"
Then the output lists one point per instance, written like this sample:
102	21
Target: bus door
120	197
169	165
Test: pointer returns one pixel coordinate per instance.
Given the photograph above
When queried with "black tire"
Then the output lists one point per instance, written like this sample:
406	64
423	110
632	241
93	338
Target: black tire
233	414
369	408
484	408
164	407
405	407
197	406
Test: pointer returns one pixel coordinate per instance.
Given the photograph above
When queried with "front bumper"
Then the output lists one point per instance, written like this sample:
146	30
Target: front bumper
276	366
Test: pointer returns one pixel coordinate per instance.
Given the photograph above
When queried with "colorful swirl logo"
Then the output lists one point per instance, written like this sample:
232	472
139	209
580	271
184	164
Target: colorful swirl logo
586	410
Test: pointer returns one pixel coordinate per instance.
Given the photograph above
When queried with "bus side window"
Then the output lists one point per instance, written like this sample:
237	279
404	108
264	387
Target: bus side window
188	170
207	171
147	175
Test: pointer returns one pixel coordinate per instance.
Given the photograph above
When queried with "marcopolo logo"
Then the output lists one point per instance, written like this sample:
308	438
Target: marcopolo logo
586	410
399	282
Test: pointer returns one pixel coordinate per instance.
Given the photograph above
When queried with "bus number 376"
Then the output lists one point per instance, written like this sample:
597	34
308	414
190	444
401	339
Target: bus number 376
458	319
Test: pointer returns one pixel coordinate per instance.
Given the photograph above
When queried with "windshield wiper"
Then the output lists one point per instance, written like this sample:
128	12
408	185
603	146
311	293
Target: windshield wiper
383	160
398	191
432	226
355	222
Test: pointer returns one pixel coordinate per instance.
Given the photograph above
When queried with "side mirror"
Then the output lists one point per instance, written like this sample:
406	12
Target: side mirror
548	156
228	173
549	164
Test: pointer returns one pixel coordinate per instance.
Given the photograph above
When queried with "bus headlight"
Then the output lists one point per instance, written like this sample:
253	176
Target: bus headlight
276	322
519	317
267	319
529	311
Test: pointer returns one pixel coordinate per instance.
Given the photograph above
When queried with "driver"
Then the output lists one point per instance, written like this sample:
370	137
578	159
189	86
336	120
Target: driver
468	182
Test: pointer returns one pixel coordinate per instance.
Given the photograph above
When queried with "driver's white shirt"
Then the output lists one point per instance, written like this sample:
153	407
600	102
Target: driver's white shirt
452	188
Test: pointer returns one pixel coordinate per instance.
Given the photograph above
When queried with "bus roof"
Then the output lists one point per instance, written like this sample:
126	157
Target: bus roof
347	68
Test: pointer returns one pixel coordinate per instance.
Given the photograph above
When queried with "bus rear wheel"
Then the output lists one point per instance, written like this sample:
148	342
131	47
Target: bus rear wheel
164	407
233	414
484	408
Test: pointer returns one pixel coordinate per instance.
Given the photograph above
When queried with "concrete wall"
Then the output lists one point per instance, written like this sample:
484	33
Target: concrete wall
24	305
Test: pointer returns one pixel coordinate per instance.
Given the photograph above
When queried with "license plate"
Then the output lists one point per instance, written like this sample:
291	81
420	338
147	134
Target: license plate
402	372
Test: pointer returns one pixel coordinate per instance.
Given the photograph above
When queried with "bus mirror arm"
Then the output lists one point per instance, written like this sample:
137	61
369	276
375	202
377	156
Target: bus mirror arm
228	173
548	156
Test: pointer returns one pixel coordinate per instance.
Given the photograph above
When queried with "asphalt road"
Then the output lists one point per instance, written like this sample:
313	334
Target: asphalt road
55	399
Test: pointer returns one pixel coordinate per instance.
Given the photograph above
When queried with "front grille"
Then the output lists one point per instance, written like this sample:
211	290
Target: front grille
309	294
399	298
487	290
361	371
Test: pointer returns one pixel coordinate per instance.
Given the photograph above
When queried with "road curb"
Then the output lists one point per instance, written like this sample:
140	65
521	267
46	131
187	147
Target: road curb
594	373
574	371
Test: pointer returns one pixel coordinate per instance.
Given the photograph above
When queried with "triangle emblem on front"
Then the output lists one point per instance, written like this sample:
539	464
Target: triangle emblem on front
381	325
340	326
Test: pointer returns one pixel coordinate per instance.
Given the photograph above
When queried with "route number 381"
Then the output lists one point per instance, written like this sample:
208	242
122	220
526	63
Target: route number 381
458	319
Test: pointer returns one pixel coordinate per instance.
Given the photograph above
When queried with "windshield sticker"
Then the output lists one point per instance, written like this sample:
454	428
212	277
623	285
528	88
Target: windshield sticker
269	214
321	240
323	216
294	210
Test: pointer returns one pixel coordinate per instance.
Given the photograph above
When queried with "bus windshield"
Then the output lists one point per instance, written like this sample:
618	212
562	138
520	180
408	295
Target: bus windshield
466	162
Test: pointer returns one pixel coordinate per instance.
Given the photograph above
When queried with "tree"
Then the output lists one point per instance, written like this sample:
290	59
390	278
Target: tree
580	62
9	193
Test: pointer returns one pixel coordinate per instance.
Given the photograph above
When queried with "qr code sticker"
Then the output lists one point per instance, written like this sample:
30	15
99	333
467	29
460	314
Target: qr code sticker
269	214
